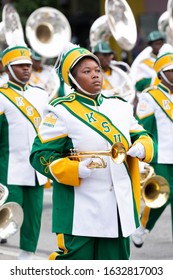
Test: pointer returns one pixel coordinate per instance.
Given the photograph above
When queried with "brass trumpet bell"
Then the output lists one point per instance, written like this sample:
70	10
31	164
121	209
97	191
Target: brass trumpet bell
117	153
155	191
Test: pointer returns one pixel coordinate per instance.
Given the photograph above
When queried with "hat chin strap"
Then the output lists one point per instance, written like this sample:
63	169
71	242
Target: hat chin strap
165	78
84	91
14	76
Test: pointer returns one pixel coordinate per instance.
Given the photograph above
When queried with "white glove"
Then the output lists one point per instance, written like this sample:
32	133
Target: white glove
143	166
137	150
84	171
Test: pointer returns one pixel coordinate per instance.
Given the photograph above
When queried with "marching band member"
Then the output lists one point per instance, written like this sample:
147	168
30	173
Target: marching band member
94	211
115	80
142	71
154	112
21	110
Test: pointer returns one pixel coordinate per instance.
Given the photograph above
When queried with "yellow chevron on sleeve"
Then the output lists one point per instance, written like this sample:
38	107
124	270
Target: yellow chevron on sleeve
65	171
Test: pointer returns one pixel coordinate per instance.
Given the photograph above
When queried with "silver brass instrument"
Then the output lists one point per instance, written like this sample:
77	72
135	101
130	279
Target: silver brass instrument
3	194
118	22
146	53
165	23
10	23
11	215
99	31
47	31
121	23
117	154
155	189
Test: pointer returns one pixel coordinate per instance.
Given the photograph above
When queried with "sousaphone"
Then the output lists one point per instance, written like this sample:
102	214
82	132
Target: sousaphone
10	23
47	31
121	23
118	22
11	215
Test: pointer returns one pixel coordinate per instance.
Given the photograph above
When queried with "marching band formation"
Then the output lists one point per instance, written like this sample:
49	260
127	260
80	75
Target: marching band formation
98	130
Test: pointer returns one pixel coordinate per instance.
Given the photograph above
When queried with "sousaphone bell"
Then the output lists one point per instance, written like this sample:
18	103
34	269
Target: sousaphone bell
10	23
47	31
11	215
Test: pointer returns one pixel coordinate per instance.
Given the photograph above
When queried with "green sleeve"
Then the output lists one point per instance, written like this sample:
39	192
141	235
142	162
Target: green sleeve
43	154
142	84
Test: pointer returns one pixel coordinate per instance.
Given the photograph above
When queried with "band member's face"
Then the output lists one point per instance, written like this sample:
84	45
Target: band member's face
156	45
88	75
105	59
22	72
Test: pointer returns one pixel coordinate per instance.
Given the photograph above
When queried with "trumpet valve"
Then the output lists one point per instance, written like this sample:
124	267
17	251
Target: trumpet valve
94	164
74	152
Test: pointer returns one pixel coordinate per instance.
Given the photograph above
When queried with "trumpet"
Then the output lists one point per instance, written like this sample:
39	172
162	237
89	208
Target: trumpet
117	154
155	189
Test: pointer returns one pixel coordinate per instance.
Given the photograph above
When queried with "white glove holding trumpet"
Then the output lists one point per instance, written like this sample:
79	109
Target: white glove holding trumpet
137	150
84	170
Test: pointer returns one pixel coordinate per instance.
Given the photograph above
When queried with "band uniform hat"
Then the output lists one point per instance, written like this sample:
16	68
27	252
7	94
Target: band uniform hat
70	59
102	47
36	56
16	55
154	36
164	62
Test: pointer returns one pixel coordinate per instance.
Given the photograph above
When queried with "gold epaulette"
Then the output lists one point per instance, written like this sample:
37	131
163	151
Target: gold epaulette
68	98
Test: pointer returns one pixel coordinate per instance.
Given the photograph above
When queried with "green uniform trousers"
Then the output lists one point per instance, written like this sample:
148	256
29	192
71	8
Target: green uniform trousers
72	247
31	200
91	248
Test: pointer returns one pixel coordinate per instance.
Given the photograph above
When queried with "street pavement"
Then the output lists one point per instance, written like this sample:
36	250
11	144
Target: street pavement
158	244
